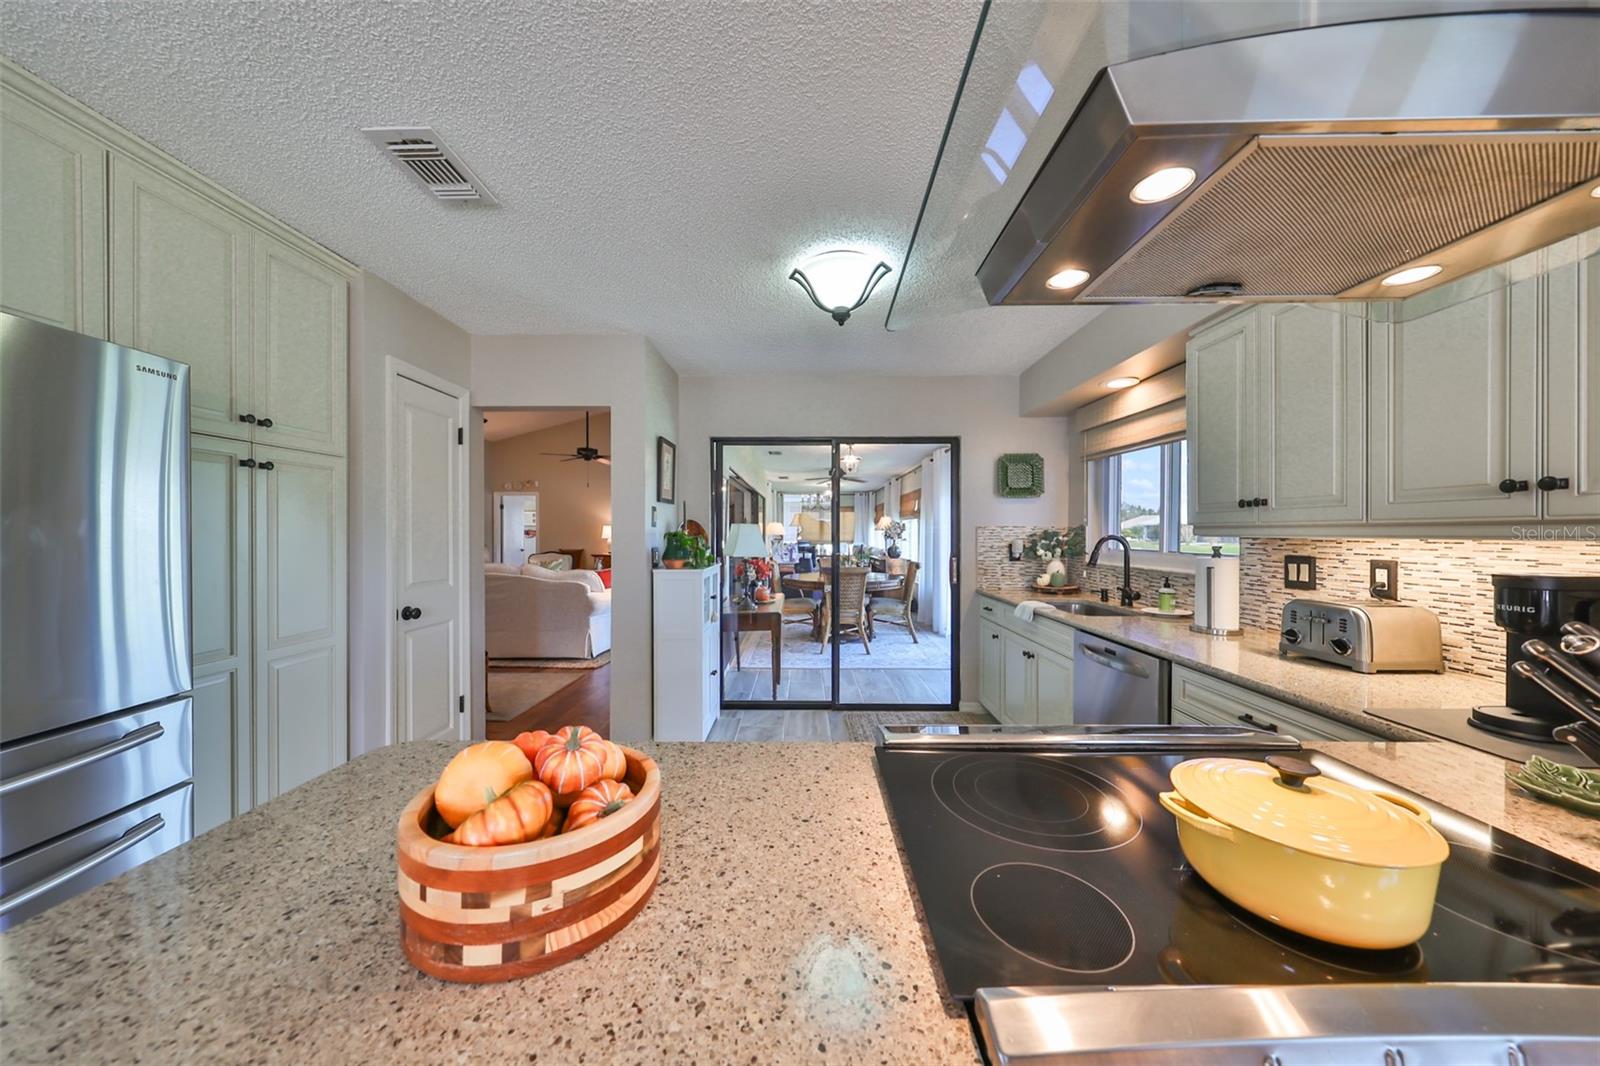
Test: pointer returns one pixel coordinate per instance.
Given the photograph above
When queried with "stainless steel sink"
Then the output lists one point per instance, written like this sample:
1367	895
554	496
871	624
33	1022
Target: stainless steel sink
1089	607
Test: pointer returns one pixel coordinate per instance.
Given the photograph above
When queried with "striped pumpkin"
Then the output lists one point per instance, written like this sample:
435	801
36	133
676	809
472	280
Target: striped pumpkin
596	802
574	758
521	814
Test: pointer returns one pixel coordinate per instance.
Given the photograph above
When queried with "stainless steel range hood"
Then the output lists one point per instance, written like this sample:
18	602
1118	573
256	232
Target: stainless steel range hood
1324	160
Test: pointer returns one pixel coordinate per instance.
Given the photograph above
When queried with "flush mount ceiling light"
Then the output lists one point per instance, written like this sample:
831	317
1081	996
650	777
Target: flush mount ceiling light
840	281
1070	278
1122	383
1412	275
1163	184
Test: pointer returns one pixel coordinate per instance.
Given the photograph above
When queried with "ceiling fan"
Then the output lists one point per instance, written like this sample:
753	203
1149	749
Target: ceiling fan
586	453
825	480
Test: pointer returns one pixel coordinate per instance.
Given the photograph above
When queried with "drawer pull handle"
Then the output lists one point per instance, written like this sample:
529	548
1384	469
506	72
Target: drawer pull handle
147	828
1251	720
143	735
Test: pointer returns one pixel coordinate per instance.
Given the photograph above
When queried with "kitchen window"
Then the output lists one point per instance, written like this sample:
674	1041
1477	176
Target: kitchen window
1143	494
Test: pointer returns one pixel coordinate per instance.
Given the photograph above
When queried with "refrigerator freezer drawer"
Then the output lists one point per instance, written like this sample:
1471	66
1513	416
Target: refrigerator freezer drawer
39	879
52	784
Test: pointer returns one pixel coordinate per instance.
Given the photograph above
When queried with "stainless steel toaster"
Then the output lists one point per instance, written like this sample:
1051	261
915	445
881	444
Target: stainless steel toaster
1365	637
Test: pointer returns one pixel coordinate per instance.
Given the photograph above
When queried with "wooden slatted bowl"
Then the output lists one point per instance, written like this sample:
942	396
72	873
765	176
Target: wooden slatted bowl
498	913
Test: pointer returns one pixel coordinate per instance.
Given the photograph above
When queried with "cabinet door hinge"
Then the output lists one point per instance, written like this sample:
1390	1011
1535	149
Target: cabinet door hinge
461	435
461	705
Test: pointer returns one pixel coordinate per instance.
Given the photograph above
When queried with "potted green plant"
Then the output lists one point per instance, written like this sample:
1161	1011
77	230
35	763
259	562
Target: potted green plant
677	550
1054	547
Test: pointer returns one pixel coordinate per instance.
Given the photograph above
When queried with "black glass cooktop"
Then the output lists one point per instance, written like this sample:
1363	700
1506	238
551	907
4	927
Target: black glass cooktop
1055	869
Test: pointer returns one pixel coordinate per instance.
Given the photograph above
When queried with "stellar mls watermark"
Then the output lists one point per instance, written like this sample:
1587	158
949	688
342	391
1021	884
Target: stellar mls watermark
1549	532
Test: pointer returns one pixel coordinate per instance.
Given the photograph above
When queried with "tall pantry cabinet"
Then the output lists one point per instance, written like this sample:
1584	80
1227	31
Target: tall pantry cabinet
103	234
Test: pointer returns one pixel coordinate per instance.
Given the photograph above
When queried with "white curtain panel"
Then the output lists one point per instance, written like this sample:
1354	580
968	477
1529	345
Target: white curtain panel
933	586
891	500
863	517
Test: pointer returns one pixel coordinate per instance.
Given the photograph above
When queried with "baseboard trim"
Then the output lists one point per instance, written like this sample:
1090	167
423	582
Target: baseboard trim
972	707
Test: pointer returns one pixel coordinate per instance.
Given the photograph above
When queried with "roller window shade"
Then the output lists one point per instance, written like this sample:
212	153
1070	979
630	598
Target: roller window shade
910	503
1155	426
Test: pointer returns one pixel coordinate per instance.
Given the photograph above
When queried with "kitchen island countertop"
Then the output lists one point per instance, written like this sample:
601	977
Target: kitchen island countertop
783	929
1251	660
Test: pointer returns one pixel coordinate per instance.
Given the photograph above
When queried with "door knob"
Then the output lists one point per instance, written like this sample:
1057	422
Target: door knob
266	464
410	614
265	423
1551	484
1510	485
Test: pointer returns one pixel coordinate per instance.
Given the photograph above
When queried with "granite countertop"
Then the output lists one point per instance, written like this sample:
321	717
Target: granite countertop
1251	660
783	929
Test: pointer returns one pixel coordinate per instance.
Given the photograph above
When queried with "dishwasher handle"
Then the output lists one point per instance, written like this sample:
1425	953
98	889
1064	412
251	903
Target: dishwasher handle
1107	657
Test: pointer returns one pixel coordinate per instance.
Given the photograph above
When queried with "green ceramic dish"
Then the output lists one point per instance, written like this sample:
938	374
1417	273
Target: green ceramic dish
1572	788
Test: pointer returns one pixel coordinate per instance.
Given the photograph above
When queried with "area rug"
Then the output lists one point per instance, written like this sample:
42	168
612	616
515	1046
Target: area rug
863	725
892	649
513	691
551	664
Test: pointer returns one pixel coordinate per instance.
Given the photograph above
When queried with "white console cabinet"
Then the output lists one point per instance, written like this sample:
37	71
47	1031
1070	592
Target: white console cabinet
688	621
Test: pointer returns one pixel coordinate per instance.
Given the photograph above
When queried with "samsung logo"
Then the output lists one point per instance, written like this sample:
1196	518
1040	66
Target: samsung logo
169	375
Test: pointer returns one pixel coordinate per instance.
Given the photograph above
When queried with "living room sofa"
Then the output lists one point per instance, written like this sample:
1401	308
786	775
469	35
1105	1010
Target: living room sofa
536	613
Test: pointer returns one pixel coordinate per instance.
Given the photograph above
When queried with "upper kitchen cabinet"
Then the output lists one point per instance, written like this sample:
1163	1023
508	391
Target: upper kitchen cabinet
1275	418
180	288
1219	384
1453	417
1572	407
299	351
52	218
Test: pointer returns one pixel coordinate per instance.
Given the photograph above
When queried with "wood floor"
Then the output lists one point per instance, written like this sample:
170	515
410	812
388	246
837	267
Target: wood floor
886	687
587	702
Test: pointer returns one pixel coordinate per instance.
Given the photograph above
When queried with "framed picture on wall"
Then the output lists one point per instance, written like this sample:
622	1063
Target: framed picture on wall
666	471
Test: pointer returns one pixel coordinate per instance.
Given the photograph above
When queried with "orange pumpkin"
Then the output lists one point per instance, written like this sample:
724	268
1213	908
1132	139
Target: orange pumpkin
476	777
530	743
615	767
521	814
551	828
595	803
575	758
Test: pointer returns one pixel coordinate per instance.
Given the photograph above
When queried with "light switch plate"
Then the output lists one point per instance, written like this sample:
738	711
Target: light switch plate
1383	579
1299	571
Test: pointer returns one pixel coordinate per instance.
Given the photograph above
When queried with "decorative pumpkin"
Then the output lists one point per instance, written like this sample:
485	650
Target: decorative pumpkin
616	763
575	758
521	814
595	802
530	743
551	828
478	776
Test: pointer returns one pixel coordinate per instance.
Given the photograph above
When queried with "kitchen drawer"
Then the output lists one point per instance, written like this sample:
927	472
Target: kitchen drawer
1050	635
62	780
1215	702
39	879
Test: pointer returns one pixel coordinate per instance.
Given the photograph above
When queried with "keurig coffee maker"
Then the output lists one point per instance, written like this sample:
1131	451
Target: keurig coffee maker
1533	607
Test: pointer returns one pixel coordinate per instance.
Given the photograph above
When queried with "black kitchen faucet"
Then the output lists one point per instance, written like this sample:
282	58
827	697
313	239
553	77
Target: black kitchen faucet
1126	593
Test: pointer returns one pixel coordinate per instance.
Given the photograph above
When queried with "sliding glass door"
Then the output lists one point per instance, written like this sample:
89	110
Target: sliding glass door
839	558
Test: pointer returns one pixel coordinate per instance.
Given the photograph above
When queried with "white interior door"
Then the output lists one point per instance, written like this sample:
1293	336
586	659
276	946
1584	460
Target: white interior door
518	518
429	688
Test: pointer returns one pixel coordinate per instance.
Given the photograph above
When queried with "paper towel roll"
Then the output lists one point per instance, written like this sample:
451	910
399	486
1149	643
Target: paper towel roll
1216	595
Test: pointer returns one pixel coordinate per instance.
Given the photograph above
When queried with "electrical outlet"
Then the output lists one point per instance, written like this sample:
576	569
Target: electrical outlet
1383	579
1299	571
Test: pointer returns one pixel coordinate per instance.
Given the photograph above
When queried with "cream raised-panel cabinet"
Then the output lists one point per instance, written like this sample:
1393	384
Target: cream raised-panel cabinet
1220	385
1453	407
1572	393
180	288
299	564
1052	688
1310	418
219	521
990	664
1016	681
52	218
299	354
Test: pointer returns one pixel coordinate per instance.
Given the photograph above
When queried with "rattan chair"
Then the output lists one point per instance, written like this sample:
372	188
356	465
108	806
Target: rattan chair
852	589
895	607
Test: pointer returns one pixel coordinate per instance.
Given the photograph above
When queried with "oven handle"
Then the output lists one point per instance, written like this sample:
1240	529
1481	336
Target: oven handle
143	735
139	833
1103	657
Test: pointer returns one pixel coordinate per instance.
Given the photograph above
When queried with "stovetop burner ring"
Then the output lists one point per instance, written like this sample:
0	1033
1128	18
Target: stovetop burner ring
1068	924
1037	802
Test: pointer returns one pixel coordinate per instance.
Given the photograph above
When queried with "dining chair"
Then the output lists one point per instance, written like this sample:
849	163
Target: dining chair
798	606
852	590
895	607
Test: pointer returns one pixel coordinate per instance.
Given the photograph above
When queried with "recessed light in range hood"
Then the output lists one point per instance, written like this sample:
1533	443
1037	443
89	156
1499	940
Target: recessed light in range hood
1325	160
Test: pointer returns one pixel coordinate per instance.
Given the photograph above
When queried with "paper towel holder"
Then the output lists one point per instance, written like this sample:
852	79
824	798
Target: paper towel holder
1203	625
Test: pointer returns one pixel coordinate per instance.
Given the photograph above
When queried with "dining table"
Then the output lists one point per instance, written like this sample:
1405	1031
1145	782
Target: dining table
820	580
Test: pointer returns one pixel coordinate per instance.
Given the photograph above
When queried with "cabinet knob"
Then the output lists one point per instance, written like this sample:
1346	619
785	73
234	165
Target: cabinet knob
266	464
247	462
1551	484
265	423
1510	485
1260	501
1244	503
250	419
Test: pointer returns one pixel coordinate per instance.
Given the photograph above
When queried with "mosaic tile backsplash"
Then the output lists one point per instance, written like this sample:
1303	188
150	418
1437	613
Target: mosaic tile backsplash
1449	577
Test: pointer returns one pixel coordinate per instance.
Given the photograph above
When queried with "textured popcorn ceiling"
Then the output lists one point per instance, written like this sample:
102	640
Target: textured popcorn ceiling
660	165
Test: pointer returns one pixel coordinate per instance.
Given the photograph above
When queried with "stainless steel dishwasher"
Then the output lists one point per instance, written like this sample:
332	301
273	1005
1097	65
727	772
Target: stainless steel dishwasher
1115	684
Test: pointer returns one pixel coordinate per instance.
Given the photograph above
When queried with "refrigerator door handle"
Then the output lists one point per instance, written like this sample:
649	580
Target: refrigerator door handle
143	735
147	828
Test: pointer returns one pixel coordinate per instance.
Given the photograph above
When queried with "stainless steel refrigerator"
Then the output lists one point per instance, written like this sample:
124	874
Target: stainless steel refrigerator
96	752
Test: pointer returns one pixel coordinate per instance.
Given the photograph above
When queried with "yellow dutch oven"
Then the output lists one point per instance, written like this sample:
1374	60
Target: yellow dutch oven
1315	855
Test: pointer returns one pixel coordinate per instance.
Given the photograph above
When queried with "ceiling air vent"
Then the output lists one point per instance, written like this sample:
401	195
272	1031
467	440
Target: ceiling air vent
441	171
